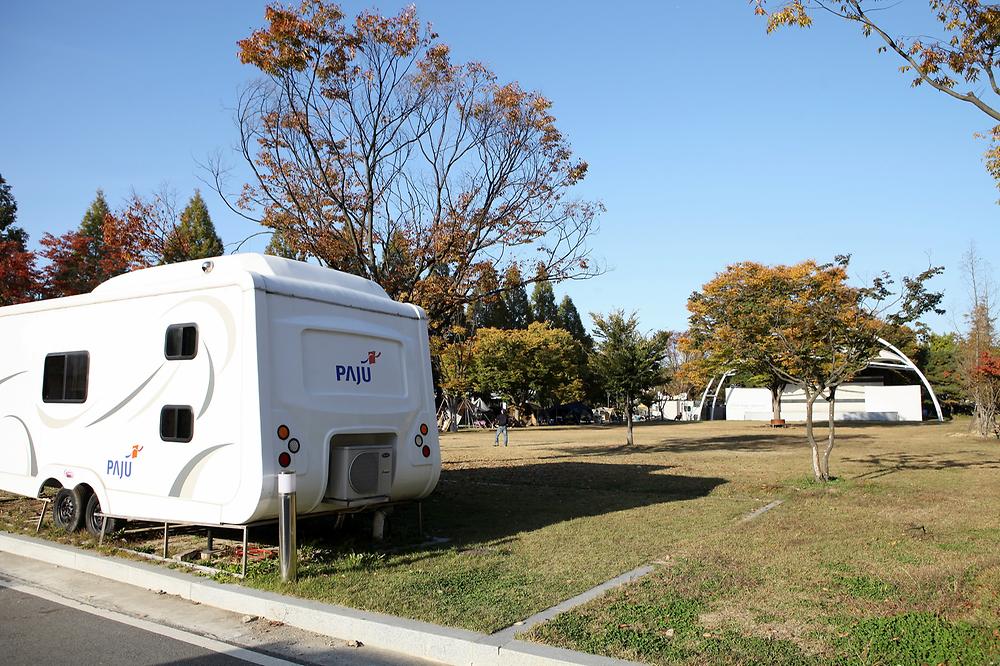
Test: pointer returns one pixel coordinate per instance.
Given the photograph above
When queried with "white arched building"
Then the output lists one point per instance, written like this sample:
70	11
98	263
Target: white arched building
867	397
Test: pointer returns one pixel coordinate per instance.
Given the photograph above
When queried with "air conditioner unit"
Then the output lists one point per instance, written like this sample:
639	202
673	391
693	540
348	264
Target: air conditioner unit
359	472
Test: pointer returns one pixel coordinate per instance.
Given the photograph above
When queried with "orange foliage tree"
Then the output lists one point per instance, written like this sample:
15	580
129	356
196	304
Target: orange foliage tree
108	243
730	326
961	63
986	391
375	154
808	327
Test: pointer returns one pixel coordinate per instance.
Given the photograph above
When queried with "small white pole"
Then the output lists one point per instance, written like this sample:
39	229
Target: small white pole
286	527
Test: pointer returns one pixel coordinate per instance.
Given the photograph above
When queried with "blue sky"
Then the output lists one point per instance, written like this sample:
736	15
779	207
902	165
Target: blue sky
708	141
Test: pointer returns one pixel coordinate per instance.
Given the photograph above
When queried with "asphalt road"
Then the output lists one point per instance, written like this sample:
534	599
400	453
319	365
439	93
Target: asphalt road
37	631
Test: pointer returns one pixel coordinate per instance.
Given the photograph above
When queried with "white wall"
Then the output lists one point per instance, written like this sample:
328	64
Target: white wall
903	400
855	402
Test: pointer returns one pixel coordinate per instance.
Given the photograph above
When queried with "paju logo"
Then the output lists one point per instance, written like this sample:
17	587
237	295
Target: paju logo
359	374
123	468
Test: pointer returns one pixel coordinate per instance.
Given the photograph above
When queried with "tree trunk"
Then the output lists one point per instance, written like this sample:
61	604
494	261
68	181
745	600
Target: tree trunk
776	390
830	434
628	424
810	400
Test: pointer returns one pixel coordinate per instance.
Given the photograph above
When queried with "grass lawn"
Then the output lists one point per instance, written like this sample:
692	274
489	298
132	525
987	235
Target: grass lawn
897	561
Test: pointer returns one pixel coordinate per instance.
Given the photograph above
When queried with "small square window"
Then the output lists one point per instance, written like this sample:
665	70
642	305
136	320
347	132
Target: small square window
64	378
176	423
181	342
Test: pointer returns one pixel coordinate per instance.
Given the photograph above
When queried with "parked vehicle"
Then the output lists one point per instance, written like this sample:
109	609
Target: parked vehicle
178	393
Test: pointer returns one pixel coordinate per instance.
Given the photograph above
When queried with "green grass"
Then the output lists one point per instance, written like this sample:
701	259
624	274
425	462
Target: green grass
918	638
903	549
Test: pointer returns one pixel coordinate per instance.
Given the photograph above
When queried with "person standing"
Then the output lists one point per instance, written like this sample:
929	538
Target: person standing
501	428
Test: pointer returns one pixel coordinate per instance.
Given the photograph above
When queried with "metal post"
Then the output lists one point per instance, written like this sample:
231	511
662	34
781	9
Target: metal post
286	527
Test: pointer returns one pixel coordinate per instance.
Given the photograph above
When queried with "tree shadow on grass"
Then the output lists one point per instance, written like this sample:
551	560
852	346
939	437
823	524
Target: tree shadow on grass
743	443
890	463
490	503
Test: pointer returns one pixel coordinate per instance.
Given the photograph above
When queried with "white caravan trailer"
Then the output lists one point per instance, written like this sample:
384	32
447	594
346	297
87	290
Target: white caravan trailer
178	393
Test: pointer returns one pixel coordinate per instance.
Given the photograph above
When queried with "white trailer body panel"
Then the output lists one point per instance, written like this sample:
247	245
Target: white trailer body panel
270	336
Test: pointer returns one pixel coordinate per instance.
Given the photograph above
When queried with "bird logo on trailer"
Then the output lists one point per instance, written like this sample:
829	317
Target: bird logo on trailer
123	468
358	374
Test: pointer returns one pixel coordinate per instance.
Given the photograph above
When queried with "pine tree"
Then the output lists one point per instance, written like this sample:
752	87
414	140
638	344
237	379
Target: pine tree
516	299
280	245
74	259
569	320
543	304
9	232
92	229
19	279
195	236
489	309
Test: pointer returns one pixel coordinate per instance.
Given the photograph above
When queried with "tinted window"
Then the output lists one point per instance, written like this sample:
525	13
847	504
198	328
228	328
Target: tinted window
181	342
176	424
65	377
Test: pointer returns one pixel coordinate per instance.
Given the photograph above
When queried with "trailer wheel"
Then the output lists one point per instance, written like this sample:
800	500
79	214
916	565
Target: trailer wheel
92	521
67	510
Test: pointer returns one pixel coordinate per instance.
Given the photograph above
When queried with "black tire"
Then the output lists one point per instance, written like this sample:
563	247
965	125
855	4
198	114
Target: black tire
68	508
92	521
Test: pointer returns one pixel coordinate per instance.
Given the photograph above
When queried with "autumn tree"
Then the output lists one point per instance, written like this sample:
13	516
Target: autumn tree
534	365
19	277
826	331
731	326
137	235
454	363
195	236
979	345
961	63
627	362
364	134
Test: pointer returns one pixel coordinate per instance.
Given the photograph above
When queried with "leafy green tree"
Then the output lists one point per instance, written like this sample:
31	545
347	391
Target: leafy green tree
515	298
543	303
539	364
195	236
941	362
628	363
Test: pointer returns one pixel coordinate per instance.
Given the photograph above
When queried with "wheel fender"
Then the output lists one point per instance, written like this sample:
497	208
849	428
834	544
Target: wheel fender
71	477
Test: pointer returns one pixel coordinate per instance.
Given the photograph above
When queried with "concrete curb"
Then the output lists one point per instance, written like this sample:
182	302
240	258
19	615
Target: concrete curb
459	647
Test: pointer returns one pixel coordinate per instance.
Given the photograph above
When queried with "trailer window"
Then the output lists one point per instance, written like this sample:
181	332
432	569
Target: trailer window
181	342
65	377
176	423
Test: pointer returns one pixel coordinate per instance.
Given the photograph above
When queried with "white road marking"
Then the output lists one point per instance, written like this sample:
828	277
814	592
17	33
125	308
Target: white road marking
169	632
762	510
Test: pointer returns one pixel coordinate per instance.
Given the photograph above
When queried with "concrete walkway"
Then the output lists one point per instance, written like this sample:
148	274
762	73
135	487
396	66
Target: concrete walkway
420	640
